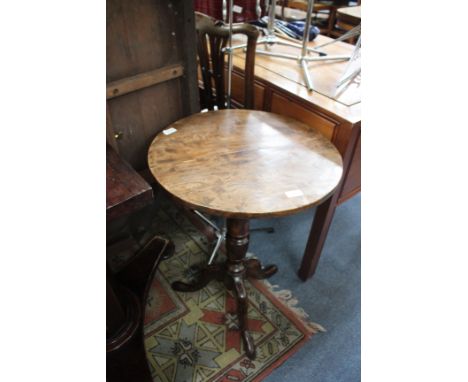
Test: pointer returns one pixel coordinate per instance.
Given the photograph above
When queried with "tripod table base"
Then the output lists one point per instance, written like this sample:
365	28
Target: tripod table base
233	273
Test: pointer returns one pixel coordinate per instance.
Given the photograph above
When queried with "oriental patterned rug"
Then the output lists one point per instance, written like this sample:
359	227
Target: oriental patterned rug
194	337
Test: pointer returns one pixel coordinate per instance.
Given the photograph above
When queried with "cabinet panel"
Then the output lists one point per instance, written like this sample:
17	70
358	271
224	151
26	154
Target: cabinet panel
353	179
284	106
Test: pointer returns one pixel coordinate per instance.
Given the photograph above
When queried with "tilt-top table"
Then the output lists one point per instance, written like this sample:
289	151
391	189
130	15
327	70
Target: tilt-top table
243	164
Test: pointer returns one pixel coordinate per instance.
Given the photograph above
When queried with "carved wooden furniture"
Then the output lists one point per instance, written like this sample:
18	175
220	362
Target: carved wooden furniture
151	72
280	88
211	41
126	193
243	164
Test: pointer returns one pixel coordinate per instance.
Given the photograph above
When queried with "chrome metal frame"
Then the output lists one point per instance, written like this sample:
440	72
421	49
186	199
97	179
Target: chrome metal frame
303	58
220	234
229	52
356	72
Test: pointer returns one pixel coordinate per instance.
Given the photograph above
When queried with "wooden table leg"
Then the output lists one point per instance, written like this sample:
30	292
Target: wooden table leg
234	272
325	211
317	236
237	242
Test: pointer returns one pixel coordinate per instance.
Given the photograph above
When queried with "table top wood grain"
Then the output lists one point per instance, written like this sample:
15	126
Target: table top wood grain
245	163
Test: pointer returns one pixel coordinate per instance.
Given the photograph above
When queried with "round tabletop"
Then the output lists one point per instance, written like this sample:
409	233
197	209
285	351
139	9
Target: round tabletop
244	163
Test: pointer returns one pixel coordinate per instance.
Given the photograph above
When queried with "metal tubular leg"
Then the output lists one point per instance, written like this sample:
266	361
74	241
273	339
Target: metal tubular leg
327	58
207	221
271	17
271	39
221	238
258	9
353	32
229	51
305	38
305	69
224	11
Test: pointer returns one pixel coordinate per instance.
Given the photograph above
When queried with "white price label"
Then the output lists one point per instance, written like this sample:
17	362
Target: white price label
237	9
169	131
294	193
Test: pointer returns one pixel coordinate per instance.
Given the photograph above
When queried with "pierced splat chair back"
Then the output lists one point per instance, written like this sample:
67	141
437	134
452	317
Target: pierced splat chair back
212	39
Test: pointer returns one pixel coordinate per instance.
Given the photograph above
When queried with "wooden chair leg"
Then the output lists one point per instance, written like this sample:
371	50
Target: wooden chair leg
317	236
331	21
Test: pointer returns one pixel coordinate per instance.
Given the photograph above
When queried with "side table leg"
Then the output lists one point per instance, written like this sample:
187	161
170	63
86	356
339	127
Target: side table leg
211	272
237	242
259	272
317	236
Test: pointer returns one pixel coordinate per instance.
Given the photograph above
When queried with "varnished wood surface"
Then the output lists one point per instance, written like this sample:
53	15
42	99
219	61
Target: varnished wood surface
143	80
350	13
288	76
241	163
126	191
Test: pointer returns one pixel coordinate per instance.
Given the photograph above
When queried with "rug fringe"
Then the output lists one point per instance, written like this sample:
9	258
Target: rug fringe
287	298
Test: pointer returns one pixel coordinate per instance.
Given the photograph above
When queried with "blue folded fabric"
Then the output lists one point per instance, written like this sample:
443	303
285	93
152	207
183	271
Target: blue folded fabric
293	29
297	27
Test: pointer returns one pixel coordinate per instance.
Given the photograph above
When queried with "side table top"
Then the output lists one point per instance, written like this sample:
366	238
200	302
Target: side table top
245	163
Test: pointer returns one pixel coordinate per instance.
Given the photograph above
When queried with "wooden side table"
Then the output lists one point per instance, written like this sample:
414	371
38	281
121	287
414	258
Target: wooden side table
243	164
